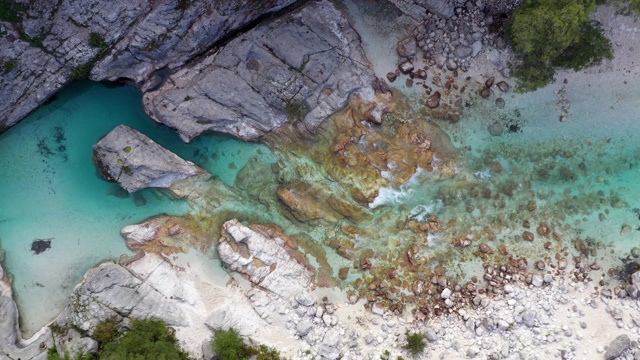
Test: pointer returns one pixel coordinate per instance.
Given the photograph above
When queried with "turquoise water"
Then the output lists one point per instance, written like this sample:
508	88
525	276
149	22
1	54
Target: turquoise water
50	190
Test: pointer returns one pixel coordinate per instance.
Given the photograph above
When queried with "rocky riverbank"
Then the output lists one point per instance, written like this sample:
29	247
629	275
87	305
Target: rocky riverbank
497	268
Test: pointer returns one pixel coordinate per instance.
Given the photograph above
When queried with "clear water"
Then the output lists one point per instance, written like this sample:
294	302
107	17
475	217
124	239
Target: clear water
50	190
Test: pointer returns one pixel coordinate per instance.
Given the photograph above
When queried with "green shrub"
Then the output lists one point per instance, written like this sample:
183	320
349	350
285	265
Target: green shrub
228	345
267	353
97	41
106	332
81	72
147	340
7	66
554	33
11	11
415	343
296	110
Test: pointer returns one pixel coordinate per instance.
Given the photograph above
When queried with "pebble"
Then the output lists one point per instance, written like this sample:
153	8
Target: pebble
537	280
446	293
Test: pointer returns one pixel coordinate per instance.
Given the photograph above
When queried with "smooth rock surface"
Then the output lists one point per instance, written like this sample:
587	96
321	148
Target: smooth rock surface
12	346
134	161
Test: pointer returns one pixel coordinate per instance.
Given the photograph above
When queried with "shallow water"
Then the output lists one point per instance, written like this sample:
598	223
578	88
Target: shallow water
50	190
582	174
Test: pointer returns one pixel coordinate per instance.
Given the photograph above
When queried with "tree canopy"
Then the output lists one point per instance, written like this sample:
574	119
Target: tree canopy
554	33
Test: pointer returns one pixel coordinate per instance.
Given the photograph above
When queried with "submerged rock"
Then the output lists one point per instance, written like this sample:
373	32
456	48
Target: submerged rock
38	246
302	67
133	160
317	202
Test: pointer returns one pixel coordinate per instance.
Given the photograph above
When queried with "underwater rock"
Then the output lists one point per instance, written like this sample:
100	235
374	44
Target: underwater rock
134	161
38	246
310	63
266	258
503	86
317	202
434	100
496	129
110	41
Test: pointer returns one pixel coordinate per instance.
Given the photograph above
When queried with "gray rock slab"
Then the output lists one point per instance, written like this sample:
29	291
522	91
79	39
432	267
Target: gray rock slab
134	161
302	67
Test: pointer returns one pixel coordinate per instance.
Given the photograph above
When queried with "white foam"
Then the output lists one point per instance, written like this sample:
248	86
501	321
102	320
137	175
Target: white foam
393	196
423	212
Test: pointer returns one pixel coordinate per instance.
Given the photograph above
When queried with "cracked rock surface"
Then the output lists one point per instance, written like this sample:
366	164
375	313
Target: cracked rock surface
300	67
138	37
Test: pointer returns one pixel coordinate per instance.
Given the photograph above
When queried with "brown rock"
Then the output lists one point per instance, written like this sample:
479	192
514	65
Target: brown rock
544	229
489	82
343	273
540	265
486	249
532	205
528	235
503	86
434	100
406	67
421	74
485	92
391	76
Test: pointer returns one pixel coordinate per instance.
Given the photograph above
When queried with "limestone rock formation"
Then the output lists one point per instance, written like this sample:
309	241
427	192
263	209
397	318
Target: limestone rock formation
266	258
12	346
300	67
417	9
133	160
153	287
60	40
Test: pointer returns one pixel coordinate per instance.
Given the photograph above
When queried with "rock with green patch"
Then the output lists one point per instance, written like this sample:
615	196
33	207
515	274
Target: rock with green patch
134	161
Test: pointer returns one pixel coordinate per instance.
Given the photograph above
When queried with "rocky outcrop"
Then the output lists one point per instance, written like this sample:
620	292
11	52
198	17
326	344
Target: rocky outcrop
266	258
417	9
153	287
134	161
301	67
60	40
12	346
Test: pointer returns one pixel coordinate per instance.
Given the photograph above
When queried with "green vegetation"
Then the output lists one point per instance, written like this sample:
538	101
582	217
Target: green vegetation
34	41
107	331
97	41
296	110
11	11
147	340
183	5
127	149
415	343
6	66
228	345
52	354
81	72
554	33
